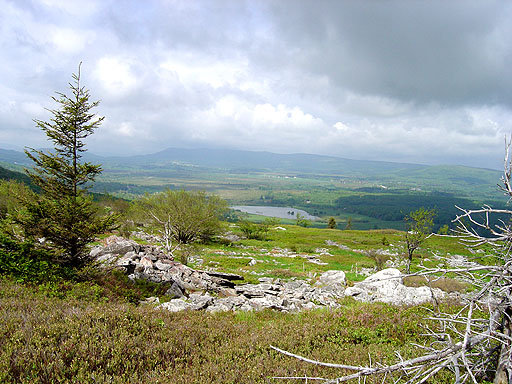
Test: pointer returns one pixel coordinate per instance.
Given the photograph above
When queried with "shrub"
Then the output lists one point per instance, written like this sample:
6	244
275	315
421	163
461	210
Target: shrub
25	263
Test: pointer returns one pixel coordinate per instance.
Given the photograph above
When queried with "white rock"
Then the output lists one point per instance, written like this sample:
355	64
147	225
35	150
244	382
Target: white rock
146	262
332	277
386	286
175	305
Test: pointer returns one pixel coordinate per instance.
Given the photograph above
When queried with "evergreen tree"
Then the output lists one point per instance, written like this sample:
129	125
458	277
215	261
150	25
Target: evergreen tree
331	224
64	214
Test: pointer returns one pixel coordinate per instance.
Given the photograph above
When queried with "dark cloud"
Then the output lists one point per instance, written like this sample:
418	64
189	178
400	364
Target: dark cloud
451	52
388	80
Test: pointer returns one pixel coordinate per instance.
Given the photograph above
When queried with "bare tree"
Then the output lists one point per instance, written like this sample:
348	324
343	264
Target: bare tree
473	346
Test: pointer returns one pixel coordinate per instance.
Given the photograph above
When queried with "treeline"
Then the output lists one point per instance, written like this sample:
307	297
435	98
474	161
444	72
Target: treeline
393	207
6	174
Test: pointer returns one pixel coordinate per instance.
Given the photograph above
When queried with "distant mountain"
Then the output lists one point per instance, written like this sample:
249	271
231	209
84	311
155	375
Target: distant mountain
174	162
14	157
249	161
6	174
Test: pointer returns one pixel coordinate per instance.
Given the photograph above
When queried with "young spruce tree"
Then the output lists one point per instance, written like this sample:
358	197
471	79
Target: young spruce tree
64	214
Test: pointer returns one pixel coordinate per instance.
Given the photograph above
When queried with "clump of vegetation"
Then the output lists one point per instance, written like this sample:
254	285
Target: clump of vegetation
257	231
24	262
301	221
182	217
380	258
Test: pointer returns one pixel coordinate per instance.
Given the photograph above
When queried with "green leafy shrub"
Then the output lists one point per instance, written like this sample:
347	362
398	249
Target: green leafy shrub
25	263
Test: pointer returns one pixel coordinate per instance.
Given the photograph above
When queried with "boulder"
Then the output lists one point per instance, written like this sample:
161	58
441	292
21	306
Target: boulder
332	278
386	286
175	305
176	290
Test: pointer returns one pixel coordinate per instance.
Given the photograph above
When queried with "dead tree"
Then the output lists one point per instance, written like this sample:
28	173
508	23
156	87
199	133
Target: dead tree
473	346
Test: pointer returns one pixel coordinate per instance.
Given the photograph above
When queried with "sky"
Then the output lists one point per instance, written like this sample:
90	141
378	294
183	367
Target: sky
407	81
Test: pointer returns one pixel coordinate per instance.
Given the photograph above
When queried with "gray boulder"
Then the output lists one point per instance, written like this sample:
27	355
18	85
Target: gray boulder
386	286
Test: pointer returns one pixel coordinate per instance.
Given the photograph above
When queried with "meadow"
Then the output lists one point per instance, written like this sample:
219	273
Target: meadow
97	331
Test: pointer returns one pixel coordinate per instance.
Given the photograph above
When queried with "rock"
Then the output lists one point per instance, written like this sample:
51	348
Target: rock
386	286
175	305
259	303
152	264
226	304
163	265
150	300
107	258
227	292
176	290
335	244
200	301
231	237
146	262
222	275
332	278
119	246
310	305
96	251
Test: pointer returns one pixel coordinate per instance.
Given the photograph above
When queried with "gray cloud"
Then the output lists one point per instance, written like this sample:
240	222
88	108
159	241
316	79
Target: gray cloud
404	80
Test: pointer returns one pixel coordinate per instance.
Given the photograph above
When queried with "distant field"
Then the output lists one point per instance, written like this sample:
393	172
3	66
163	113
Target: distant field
370	195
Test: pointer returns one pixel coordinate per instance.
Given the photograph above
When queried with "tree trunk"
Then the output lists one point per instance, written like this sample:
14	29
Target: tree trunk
504	367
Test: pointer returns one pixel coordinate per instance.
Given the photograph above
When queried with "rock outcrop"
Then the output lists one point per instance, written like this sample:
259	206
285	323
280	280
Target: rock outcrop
214	291
387	286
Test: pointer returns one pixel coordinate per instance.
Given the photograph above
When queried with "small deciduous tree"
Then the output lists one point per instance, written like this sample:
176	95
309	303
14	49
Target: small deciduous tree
331	223
302	221
182	216
64	213
419	227
257	231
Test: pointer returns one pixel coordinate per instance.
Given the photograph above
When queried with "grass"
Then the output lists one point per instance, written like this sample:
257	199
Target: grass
55	340
96	331
289	250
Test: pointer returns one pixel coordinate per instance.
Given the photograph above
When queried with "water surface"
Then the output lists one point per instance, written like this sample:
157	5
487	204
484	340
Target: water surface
279	212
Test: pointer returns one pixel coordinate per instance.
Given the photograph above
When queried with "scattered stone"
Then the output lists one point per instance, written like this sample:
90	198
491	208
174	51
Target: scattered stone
150	300
335	244
213	291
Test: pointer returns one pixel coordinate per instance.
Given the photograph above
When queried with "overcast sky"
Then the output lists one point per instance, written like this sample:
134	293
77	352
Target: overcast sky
411	81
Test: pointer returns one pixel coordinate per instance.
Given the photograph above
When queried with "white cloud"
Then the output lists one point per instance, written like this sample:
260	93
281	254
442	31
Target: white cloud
206	70
115	75
341	127
126	129
68	40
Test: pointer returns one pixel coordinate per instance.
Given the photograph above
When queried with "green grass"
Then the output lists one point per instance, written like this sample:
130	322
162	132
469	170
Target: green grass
74	332
272	261
53	340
